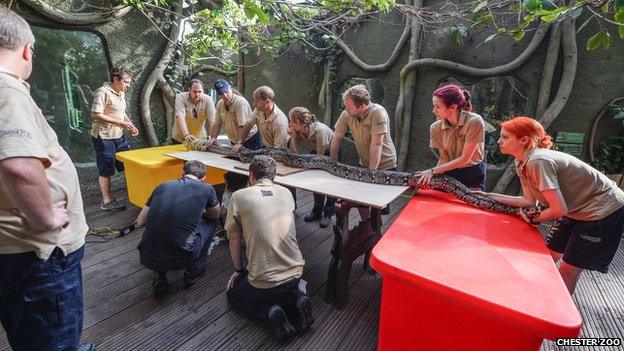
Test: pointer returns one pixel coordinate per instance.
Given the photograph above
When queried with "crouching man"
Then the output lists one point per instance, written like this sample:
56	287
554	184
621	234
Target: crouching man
180	218
262	216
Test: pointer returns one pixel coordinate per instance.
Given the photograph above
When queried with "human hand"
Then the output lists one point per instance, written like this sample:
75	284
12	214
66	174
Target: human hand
235	148
59	218
425	178
209	142
528	216
190	137
230	282
134	131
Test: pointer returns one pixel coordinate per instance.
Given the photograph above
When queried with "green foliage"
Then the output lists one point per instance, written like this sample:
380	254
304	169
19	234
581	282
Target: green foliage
610	156
601	38
494	156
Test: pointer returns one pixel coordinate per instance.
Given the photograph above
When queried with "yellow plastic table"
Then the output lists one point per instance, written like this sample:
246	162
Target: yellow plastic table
147	168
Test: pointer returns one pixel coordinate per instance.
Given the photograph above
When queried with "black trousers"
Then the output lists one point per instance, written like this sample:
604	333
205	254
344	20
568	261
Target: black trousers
256	302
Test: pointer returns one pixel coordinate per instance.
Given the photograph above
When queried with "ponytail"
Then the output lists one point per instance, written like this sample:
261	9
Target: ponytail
454	95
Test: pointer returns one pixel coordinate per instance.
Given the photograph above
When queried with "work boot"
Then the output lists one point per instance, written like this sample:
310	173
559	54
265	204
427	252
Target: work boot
190	277
303	318
281	327
325	221
313	215
112	205
160	285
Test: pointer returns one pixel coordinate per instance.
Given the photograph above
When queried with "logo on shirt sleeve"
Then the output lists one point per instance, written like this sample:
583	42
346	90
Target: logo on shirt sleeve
266	193
15	133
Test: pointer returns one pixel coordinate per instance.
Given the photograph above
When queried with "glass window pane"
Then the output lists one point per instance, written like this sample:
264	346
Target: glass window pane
68	67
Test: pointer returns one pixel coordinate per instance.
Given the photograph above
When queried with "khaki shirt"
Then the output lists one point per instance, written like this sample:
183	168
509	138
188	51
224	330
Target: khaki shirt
451	139
319	139
112	104
375	122
24	132
273	128
195	115
264	214
235	115
588	194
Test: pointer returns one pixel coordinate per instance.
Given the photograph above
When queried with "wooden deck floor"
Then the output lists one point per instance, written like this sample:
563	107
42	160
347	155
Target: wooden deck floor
121	314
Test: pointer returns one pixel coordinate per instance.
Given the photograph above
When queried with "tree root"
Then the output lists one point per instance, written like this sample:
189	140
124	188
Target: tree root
77	18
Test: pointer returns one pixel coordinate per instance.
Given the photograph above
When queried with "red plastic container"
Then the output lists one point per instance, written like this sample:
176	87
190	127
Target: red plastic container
459	278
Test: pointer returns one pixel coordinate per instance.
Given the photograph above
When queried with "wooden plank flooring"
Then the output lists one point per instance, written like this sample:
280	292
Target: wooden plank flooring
121	314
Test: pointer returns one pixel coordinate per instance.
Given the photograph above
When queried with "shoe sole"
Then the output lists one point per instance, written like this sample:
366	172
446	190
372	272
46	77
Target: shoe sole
304	312
281	327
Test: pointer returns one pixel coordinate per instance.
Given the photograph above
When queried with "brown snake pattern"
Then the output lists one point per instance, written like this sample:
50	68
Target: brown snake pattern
443	182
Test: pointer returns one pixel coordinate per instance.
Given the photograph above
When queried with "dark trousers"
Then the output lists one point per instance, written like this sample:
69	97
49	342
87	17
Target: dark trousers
41	303
472	177
253	143
161	256
199	248
324	205
255	302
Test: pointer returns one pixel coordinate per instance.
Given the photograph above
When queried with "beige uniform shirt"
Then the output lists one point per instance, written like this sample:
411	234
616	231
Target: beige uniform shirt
319	140
111	103
235	115
264	214
24	132
195	115
375	122
451	140
588	194
273	128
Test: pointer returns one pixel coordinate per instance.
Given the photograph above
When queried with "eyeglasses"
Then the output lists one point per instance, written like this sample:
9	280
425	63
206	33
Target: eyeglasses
195	112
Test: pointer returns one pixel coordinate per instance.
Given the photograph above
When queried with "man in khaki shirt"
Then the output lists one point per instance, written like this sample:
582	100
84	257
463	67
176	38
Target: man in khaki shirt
270	120
193	109
42	223
269	287
109	122
233	112
369	125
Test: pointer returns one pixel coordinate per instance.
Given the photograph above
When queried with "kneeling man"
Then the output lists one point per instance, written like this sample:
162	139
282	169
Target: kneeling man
261	215
180	218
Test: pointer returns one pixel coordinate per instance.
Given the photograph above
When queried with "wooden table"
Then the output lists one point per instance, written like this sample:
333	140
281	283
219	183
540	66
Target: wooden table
349	244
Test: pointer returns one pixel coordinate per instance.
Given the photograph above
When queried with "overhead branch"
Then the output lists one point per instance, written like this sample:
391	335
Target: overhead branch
403	122
570	58
379	67
156	77
77	18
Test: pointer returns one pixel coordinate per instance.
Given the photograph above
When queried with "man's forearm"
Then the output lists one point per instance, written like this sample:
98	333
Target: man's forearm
375	156
25	182
334	148
235	253
106	119
242	132
182	125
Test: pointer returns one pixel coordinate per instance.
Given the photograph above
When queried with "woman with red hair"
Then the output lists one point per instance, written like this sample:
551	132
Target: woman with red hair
458	134
588	206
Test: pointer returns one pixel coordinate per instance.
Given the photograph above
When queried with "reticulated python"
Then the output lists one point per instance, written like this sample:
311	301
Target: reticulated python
443	182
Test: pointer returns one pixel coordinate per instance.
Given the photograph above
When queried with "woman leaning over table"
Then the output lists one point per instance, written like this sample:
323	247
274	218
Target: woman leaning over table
458	134
588	206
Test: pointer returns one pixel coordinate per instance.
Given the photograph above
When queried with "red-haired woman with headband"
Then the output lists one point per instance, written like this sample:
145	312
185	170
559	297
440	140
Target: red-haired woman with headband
459	135
589	206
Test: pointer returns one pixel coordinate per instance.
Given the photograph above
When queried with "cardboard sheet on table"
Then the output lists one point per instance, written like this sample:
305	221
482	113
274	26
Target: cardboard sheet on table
282	169
377	195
